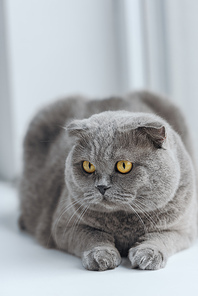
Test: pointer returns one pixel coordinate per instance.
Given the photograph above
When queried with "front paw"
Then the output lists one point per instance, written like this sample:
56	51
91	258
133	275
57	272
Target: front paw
146	257
101	258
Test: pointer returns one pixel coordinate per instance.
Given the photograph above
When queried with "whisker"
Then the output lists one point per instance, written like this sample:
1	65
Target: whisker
56	223
75	212
68	207
155	206
161	213
153	211
124	206
147	216
136	213
77	222
61	215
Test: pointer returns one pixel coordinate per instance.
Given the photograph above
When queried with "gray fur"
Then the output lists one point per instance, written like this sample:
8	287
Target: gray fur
148	214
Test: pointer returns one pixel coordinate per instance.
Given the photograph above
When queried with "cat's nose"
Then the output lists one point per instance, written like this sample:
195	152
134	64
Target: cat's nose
102	188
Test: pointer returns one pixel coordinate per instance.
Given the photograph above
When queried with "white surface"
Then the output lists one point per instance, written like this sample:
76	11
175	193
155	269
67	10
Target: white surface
26	268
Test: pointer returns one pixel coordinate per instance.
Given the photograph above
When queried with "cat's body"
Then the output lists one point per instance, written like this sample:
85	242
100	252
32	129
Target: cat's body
148	213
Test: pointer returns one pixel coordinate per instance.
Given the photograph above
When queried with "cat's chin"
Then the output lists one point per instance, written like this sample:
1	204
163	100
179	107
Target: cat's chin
105	206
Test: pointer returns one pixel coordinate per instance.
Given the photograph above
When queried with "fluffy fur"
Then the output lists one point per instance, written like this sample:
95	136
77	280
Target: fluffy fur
148	214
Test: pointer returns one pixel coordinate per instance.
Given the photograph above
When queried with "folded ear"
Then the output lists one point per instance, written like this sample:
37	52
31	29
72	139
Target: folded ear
155	134
77	128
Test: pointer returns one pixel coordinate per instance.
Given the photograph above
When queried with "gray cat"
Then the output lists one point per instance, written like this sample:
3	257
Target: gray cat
109	178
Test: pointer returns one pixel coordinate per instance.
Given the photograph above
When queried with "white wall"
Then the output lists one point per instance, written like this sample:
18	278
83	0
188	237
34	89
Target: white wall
165	59
57	48
6	135
130	35
53	48
182	53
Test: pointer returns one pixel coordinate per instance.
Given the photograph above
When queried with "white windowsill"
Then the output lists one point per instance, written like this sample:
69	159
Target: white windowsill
26	268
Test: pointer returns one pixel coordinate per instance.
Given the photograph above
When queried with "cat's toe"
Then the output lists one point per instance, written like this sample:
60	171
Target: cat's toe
146	257
101	258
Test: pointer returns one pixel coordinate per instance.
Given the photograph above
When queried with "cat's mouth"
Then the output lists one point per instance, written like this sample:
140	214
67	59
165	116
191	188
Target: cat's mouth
108	202
105	203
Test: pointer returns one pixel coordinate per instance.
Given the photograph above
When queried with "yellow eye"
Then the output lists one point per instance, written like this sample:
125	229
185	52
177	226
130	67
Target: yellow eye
88	167
124	166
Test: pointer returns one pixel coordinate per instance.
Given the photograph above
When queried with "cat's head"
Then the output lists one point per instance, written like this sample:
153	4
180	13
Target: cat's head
121	161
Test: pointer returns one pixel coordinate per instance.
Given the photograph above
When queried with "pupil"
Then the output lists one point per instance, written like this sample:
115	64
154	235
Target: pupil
89	165
123	165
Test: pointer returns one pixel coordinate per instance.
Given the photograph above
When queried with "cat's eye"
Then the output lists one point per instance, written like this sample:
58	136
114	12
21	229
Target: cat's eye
88	167
124	166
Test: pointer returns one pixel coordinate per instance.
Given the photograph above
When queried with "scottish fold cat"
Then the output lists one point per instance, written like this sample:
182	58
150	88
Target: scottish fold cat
109	178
